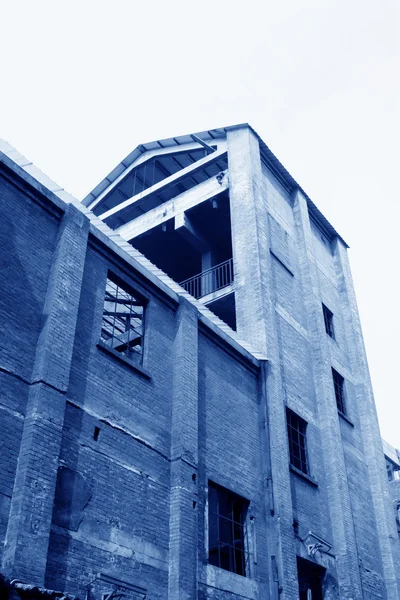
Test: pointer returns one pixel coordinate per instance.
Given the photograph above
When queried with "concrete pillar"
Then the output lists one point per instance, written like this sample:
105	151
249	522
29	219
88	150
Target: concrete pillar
182	581
256	323
382	505
340	509
27	538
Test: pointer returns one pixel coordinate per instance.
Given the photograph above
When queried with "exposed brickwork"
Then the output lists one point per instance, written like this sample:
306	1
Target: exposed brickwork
104	465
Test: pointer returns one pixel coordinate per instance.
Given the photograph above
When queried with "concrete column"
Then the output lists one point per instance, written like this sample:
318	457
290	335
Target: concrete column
382	505
340	510
182	582
256	323
27	538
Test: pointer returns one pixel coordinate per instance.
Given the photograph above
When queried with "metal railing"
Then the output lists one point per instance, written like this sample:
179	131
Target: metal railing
210	281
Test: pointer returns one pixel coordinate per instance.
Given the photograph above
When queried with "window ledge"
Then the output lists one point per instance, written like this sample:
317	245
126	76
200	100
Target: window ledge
345	418
122	358
308	478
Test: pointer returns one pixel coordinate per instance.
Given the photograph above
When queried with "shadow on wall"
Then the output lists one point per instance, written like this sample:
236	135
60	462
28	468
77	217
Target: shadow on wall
21	303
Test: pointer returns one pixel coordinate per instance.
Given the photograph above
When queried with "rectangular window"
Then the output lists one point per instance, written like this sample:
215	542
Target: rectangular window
328	318
338	384
297	441
123	317
226	529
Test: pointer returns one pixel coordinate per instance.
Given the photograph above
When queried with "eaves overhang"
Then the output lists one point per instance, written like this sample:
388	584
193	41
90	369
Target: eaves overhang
267	157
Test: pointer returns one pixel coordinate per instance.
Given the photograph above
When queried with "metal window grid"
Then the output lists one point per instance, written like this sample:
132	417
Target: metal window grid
328	319
227	516
297	441
122	325
338	384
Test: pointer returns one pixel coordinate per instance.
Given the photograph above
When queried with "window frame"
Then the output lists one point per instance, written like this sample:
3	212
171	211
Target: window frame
242	524
328	320
301	462
340	392
128	355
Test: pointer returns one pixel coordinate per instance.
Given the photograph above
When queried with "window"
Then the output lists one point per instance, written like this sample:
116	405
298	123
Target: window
393	470
122	327
328	318
297	441
338	384
226	529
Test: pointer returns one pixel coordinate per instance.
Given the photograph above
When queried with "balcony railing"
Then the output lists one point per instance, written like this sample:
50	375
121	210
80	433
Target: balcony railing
210	281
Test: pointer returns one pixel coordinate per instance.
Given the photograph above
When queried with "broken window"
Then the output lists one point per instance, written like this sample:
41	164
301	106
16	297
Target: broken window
226	529
328	318
297	441
338	384
123	317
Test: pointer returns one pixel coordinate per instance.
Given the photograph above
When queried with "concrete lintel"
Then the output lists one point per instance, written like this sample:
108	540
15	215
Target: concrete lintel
165	183
170	209
184	226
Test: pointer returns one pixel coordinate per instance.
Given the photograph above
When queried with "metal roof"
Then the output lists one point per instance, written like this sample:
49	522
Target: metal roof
267	156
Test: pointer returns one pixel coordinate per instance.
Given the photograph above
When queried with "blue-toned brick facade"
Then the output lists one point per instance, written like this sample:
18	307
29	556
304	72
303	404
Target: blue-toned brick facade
104	464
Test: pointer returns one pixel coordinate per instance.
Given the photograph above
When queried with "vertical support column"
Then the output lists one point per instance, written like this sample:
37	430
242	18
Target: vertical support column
386	526
27	538
340	509
182	582
256	323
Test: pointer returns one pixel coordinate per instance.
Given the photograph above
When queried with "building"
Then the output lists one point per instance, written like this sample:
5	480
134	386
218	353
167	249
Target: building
186	405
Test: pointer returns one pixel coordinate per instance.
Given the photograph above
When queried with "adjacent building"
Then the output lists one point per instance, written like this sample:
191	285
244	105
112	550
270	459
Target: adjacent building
186	409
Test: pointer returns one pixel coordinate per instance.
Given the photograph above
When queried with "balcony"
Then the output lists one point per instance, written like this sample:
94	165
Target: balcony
209	282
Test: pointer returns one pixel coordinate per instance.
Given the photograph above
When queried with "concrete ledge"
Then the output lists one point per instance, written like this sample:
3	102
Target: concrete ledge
304	476
226	581
121	357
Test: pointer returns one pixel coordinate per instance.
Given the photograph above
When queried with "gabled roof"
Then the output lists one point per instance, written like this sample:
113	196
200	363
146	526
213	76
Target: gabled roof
267	157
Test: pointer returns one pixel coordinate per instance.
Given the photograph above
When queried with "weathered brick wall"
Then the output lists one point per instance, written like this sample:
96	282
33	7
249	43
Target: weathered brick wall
27	240
230	453
120	520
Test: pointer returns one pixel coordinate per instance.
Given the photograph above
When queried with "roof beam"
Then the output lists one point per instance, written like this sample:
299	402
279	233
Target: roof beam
144	157
195	138
170	209
185	227
164	184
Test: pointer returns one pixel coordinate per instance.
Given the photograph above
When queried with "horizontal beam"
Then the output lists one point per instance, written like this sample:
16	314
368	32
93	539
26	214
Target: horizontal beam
170	209
184	226
221	293
164	184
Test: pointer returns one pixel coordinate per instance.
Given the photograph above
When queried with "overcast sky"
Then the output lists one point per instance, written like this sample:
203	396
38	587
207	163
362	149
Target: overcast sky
83	83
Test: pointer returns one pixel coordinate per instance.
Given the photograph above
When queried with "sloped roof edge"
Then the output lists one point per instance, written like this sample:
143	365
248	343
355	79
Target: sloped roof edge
25	169
271	161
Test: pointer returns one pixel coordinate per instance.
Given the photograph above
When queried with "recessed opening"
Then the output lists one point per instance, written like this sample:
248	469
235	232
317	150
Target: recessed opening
96	433
194	477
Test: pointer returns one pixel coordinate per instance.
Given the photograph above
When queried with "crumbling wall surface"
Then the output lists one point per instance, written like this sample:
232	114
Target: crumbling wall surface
111	510
27	240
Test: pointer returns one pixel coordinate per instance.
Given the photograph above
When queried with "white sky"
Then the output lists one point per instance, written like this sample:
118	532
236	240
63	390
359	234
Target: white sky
82	83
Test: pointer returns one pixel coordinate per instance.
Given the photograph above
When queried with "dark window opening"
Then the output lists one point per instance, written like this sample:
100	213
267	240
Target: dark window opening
393	470
122	326
328	318
96	433
310	579
297	441
226	530
338	384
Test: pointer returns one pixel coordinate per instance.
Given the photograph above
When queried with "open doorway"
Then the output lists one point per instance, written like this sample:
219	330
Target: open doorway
310	578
